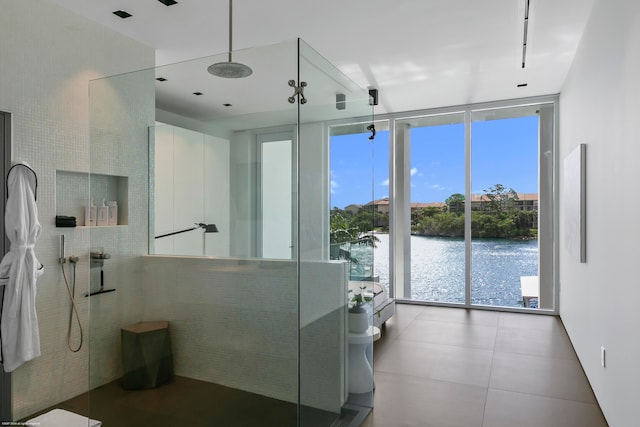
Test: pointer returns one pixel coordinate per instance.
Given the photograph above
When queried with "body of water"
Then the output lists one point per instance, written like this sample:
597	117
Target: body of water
437	268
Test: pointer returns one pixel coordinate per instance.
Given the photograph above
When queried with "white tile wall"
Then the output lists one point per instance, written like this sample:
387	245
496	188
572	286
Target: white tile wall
47	57
234	322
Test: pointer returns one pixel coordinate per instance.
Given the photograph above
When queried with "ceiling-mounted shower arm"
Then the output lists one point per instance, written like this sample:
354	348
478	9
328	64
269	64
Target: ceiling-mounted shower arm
297	90
230	29
230	69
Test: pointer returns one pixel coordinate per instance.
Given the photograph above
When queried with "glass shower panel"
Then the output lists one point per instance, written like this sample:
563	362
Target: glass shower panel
336	380
182	332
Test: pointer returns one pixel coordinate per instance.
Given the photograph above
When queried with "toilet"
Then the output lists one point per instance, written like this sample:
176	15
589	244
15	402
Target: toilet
62	418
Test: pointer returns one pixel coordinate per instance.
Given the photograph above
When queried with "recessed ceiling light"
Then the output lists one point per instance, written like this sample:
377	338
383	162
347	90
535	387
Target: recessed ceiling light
161	79
522	85
198	93
226	105
168	2
122	14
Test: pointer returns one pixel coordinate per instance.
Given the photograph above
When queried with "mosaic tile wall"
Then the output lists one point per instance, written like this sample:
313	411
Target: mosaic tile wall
122	108
234	322
49	55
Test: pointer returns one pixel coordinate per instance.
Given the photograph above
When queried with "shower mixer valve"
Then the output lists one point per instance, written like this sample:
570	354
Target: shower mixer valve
98	257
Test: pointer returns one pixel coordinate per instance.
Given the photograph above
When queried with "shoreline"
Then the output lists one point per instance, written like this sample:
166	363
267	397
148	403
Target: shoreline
516	238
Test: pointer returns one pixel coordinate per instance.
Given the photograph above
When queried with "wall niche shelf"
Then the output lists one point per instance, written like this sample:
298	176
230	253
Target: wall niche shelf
74	191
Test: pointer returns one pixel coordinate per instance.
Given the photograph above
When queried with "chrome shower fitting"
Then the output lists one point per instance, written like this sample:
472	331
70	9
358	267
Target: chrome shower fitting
297	90
61	258
71	289
230	69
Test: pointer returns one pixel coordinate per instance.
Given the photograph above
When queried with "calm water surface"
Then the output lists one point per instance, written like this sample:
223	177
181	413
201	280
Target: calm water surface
437	268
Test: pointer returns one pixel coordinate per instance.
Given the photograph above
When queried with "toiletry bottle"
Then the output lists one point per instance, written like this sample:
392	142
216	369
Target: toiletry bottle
103	215
90	214
113	212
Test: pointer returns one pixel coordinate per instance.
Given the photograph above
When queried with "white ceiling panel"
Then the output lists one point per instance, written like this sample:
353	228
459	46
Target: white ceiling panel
417	53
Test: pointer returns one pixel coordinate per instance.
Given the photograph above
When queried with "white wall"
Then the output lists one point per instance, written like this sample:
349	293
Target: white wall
243	178
191	185
47	57
599	106
217	194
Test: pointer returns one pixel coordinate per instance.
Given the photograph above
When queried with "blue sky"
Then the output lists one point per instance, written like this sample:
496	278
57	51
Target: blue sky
503	152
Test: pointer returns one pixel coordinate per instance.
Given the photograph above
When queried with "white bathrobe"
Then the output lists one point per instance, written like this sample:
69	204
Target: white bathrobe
19	270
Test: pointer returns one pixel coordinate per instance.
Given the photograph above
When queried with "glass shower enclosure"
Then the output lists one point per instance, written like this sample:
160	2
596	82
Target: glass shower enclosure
213	298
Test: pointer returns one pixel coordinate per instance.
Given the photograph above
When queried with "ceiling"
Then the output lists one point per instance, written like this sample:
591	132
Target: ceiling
418	53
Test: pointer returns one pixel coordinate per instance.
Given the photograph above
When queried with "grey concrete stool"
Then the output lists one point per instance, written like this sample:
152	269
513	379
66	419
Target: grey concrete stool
147	360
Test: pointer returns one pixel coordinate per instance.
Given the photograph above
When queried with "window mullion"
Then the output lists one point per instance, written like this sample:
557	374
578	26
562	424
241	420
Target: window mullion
467	209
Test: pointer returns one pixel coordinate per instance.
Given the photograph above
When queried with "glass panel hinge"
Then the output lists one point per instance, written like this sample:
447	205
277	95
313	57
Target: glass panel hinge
297	90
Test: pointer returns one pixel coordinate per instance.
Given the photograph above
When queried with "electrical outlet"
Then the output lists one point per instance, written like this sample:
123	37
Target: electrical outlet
603	357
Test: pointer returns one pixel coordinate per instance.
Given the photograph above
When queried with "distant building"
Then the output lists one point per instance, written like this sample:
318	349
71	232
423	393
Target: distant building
380	205
525	202
353	209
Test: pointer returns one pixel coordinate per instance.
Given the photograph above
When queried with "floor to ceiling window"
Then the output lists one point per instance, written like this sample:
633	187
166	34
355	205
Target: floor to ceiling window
461	204
472	207
504	207
359	170
436	206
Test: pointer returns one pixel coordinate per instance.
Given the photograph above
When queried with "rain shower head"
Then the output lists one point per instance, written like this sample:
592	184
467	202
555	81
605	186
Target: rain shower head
230	69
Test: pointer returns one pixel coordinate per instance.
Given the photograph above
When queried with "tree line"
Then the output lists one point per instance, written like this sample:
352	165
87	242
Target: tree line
497	217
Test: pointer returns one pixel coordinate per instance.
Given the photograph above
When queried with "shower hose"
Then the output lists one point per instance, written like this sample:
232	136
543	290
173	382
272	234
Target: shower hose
74	310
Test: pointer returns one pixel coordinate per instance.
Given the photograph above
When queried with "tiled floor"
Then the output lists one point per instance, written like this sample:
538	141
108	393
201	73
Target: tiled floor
434	367
451	367
188	402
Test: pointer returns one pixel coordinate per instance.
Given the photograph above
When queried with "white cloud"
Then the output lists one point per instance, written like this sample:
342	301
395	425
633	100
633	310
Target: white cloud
414	171
437	187
385	183
334	185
